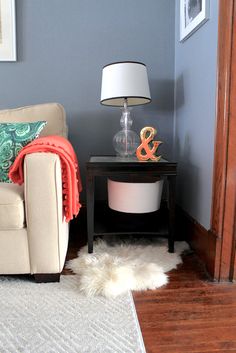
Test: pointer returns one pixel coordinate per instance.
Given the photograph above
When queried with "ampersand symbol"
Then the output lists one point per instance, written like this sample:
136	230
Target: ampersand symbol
148	145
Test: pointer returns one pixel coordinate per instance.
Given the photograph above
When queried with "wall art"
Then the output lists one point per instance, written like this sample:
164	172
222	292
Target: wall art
193	14
7	30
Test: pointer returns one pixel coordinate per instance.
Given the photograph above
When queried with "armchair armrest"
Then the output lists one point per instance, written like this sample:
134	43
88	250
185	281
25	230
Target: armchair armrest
46	230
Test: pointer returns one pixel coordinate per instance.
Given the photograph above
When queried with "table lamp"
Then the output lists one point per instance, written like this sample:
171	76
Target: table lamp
125	84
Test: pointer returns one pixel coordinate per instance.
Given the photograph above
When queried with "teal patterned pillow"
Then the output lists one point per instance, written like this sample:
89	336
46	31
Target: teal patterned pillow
13	137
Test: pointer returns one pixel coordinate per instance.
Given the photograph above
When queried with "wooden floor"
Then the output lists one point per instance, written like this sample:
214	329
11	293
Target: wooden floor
190	314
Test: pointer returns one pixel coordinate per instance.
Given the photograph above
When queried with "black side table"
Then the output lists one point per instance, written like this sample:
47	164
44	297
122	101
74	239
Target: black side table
112	166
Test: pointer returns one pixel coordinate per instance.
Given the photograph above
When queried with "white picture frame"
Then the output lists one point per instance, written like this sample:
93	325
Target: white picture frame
193	14
7	30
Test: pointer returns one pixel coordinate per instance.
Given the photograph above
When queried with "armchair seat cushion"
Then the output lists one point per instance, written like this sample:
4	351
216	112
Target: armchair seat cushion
12	213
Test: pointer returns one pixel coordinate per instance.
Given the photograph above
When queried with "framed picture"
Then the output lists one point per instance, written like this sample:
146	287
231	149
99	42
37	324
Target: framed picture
193	13
7	30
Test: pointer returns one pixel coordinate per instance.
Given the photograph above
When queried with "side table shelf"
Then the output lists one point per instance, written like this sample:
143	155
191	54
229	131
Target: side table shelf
107	221
102	220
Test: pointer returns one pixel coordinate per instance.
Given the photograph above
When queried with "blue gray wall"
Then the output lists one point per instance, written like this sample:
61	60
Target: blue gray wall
62	47
194	121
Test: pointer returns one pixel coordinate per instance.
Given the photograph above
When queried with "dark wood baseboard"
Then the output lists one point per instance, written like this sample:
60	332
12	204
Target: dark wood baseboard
201	240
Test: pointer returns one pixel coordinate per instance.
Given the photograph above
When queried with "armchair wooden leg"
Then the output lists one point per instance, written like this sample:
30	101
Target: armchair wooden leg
47	277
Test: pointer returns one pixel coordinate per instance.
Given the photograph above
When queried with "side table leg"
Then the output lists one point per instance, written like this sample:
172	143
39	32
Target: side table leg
171	201
90	209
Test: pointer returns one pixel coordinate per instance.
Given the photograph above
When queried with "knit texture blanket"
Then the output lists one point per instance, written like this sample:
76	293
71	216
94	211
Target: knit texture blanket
71	181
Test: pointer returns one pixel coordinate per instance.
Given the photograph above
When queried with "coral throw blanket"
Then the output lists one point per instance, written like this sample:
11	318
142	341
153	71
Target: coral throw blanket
71	182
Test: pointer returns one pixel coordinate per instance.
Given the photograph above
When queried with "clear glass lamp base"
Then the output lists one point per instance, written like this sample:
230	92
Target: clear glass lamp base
125	142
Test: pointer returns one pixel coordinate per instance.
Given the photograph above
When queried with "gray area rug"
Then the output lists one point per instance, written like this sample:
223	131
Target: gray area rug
56	318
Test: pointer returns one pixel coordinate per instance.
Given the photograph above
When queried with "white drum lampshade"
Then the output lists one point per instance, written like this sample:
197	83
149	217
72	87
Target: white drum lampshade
125	80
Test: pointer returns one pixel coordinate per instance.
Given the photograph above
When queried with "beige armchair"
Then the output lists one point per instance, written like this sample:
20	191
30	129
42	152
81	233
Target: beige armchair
33	233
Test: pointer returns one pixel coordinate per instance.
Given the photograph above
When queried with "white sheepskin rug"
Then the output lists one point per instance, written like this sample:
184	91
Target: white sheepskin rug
114	269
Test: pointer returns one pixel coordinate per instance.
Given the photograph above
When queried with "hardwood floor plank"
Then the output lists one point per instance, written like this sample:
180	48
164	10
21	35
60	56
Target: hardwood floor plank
189	314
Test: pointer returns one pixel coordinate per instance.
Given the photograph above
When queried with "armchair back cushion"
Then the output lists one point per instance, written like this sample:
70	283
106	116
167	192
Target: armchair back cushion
53	113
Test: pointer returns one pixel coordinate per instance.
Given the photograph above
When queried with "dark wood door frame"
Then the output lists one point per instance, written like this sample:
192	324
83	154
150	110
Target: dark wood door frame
223	225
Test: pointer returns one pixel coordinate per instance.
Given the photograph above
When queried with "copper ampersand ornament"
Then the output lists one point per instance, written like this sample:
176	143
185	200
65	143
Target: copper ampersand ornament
147	149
